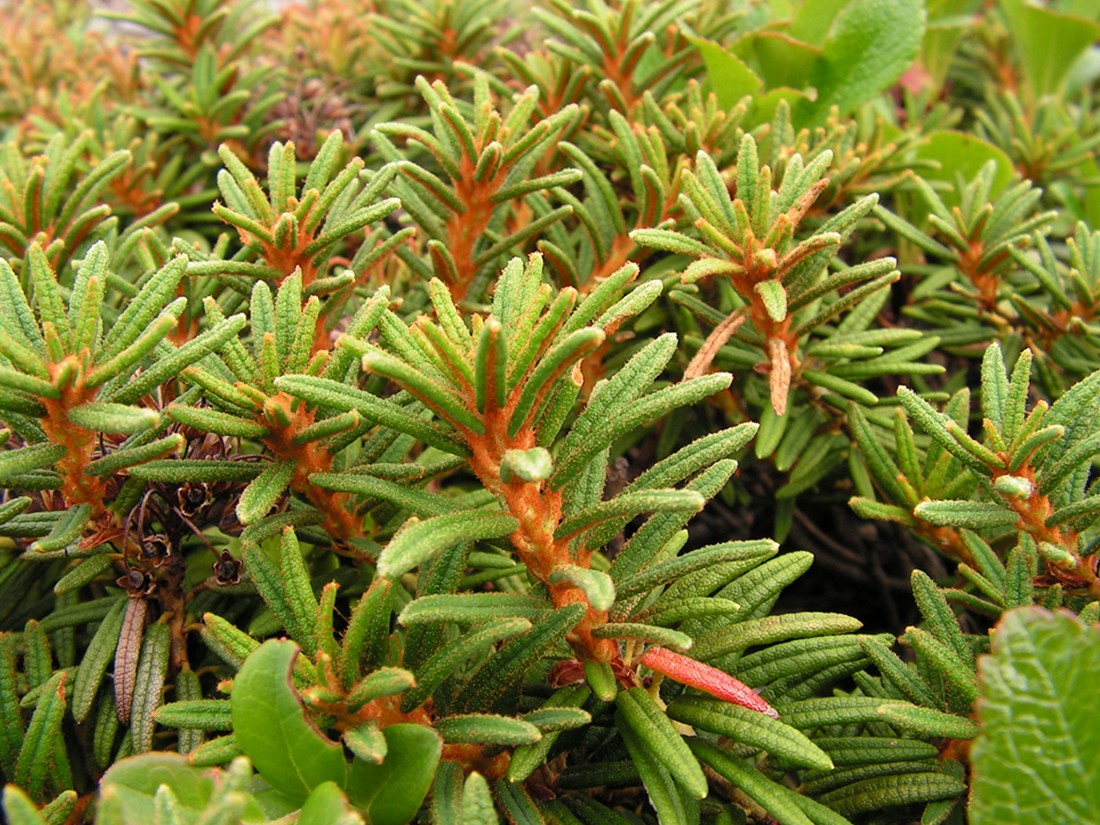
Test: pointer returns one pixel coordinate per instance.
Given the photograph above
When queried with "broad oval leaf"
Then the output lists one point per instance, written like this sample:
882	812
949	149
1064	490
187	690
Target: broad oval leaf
391	793
272	728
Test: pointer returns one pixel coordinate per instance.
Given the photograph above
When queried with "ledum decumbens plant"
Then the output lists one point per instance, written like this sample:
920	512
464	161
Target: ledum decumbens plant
676	413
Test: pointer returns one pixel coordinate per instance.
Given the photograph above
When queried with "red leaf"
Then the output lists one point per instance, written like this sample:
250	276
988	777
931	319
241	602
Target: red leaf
708	679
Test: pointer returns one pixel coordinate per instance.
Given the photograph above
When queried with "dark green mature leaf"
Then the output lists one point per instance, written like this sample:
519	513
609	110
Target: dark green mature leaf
273	730
1038	755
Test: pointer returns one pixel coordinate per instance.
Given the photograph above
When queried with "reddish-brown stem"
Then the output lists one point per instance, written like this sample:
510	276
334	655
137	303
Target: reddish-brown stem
539	512
77	487
465	228
309	458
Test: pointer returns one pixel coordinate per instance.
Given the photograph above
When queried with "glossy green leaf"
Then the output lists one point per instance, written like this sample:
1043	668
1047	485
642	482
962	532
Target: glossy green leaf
19	809
391	793
272	727
729	77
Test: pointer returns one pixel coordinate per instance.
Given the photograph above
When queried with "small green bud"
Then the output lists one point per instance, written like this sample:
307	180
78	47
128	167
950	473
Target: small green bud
527	465
1015	486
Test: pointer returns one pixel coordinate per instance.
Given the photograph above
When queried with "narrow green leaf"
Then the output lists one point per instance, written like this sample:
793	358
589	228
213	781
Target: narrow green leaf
264	491
751	728
16	462
487	728
892	791
183	470
106	417
664	636
652	727
170	365
770	796
66	531
597	586
671	803
368	632
770	629
36	755
551	366
627	505
325	392
928	722
100	651
152	670
501	672
528	758
214	421
446	661
11	722
973	515
418	541
202	714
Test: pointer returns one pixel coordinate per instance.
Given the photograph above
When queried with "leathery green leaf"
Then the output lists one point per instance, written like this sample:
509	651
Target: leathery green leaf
892	791
418	541
652	727
528	758
100	651
444	662
513	660
487	728
264	491
769	795
271	726
149	685
672	804
391	793
750	727
36	755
